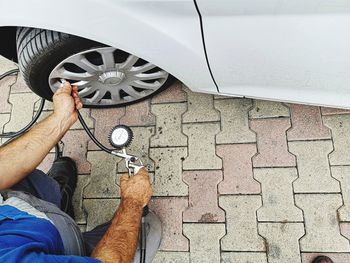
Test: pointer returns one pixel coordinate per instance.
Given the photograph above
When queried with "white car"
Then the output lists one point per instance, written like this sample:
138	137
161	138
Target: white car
120	52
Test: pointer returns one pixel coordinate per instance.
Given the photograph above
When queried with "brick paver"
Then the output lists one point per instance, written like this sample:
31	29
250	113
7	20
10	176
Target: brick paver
242	233
277	195
340	126
279	234
235	180
268	109
313	167
237	168
169	210
306	123
234	121
272	143
322	228
203	209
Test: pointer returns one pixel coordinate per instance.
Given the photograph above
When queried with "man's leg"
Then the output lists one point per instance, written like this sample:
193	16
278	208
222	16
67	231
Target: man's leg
153	232
57	187
41	186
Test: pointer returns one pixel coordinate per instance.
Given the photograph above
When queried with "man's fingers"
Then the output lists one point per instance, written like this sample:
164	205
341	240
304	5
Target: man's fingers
66	88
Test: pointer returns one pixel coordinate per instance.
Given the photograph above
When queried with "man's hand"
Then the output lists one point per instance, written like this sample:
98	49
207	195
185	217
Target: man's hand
137	188
66	102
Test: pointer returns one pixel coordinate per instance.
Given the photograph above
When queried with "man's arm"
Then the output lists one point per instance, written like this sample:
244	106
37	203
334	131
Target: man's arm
120	241
24	154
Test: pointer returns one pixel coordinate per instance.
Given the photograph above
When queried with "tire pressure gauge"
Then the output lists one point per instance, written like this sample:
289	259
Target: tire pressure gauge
120	136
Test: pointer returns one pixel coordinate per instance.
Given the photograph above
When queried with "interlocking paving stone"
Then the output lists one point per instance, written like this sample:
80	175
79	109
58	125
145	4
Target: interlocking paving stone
171	257
168	171
4	118
22	110
174	93
238	173
321	224
169	210
204	241
99	211
203	208
105	121
20	86
200	108
234	121
277	195
201	147
6	64
243	257
336	257
306	123
75	146
139	147
5	84
272	143
102	183
268	109
340	126
345	229
282	241
333	111
342	173
46	164
241	225
168	125
138	115
79	212
313	167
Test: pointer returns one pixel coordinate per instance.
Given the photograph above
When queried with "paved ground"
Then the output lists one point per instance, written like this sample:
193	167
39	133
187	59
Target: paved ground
234	179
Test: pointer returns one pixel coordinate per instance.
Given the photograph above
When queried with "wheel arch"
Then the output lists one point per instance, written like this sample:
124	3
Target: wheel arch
166	33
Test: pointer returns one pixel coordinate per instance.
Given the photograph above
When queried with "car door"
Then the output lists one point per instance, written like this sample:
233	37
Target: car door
296	51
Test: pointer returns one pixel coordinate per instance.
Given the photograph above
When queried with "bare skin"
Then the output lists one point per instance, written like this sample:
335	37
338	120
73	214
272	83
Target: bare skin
23	155
120	241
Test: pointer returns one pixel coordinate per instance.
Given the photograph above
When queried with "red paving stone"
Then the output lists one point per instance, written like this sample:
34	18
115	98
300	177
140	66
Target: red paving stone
5	84
169	210
203	208
174	93
105	120
46	164
238	173
138	115
75	146
272	143
333	111
306	123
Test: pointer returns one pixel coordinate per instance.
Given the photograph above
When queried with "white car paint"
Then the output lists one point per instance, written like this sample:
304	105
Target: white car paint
289	50
164	32
274	49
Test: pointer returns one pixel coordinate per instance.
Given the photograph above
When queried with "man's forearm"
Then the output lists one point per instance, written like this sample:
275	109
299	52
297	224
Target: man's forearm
120	241
24	154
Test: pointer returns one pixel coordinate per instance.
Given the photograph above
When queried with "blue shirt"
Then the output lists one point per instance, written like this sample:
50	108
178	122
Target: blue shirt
26	238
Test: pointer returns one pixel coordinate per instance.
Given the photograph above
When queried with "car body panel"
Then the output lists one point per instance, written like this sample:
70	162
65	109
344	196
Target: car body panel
296	51
166	33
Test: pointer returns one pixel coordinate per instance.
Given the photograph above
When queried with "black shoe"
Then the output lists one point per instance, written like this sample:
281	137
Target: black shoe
64	171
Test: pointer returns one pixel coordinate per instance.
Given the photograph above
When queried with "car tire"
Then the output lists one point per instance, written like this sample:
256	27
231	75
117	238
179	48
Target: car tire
40	51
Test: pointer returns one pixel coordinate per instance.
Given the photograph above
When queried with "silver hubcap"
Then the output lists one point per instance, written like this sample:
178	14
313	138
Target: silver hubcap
107	76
